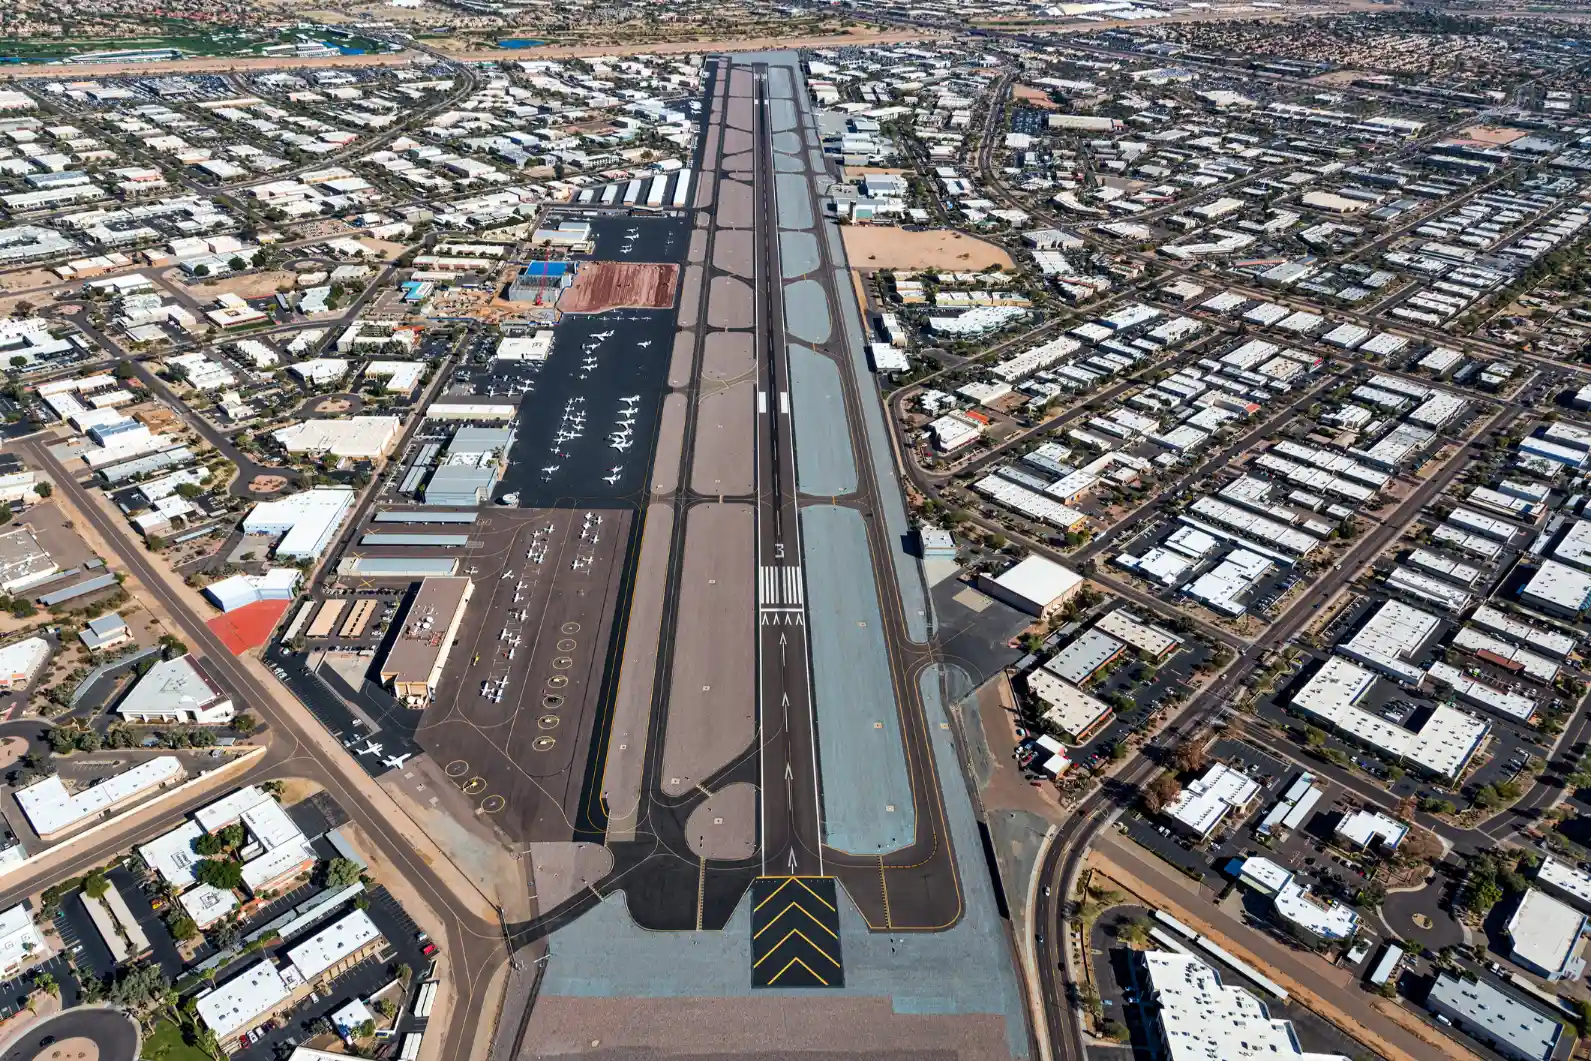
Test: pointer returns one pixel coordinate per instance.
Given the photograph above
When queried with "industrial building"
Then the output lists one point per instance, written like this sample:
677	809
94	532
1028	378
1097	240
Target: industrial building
307	521
176	691
414	663
277	583
1036	586
1500	1020
475	460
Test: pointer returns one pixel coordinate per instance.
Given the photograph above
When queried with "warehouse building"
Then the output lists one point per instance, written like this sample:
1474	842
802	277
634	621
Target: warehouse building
1500	1020
277	583
307	521
1035	585
413	666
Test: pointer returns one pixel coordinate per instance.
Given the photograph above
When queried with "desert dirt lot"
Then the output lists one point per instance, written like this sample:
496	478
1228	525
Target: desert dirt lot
602	286
886	247
250	285
1035	97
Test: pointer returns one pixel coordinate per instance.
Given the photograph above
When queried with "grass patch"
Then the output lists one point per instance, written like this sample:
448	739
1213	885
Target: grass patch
165	1043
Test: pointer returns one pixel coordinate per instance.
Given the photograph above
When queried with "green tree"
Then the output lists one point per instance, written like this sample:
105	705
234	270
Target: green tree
234	836
208	845
43	981
245	724
43	489
182	927
95	885
341	872
226	874
1134	933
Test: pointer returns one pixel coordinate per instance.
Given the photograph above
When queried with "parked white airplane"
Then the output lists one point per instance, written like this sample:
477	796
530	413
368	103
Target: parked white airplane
611	480
370	748
396	761
643	344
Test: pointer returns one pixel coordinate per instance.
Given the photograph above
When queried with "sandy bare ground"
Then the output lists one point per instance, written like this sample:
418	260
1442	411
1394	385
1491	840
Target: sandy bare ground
886	247
406	58
249	285
1034	97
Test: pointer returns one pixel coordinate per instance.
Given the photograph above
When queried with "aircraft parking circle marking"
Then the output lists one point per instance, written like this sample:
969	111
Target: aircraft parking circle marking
548	722
562	663
566	645
569	628
558	681
493	803
552	701
542	744
474	785
456	768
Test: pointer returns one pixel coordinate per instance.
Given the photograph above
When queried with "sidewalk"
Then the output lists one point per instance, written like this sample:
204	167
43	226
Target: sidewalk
1325	989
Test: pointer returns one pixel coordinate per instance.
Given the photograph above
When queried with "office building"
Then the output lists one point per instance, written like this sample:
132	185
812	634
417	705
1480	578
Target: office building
175	691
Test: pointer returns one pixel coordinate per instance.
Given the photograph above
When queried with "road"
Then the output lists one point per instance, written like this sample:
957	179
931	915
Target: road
112	1032
474	944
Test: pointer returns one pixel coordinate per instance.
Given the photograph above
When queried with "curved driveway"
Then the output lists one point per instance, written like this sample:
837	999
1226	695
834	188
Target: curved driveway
109	1029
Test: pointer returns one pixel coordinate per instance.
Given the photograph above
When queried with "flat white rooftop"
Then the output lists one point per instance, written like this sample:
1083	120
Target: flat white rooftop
1203	1019
1546	932
50	808
1571	881
1068	708
235	1005
1207	800
331	945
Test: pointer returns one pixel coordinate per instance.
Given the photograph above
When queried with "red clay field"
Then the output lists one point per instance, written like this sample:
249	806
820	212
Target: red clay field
603	286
